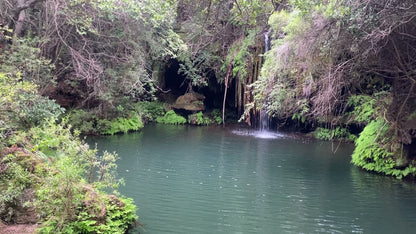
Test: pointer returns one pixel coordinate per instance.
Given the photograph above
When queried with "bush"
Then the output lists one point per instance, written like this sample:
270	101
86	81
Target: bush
171	118
199	119
337	133
21	106
14	180
82	120
120	125
149	111
363	107
35	109
217	116
25	58
69	198
372	154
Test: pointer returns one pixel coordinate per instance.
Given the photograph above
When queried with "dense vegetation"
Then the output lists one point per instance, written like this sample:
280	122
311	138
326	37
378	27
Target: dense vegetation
48	175
347	64
332	68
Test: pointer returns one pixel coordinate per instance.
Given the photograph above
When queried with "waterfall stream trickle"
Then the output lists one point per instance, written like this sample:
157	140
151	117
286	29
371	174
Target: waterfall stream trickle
264	117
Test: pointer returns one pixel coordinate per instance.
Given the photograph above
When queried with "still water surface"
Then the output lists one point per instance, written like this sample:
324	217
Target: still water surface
211	180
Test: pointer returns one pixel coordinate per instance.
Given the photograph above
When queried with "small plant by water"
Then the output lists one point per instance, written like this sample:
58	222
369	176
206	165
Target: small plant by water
171	118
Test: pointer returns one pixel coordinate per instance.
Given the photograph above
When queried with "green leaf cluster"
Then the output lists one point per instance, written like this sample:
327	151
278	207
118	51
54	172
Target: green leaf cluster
120	125
363	107
149	111
338	133
21	106
240	55
195	68
217	116
199	119
372	151
70	182
128	117
15	179
171	118
24	59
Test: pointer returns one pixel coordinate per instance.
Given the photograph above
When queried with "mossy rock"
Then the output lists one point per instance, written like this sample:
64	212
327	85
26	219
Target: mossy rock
190	102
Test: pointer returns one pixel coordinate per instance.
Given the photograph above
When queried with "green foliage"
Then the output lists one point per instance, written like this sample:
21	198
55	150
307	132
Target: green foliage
89	123
239	55
14	180
10	91
120	125
82	120
199	119
250	12
36	109
149	111
364	107
372	151
367	108
195	68
69	198
337	133
119	217
171	118
59	195
21	106
24	57
217	116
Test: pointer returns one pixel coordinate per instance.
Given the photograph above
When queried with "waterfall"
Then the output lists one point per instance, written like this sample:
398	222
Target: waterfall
267	40
264	117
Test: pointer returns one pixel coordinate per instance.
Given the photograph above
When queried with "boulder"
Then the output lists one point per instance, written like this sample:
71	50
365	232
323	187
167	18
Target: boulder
190	102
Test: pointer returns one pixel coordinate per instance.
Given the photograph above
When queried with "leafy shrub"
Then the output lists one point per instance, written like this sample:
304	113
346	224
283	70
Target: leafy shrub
25	58
217	116
336	133
82	120
65	201
323	134
21	106
199	119
171	118
120	125
149	111
363	107
10	91
87	122
14	179
372	154
35	109
366	108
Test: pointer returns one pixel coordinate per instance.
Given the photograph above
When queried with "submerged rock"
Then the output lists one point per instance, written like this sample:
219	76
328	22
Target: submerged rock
190	102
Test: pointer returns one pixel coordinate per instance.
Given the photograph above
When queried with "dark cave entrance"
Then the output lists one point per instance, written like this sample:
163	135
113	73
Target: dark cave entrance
178	85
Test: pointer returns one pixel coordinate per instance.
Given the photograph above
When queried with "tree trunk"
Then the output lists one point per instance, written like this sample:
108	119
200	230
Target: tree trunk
227	77
18	28
20	14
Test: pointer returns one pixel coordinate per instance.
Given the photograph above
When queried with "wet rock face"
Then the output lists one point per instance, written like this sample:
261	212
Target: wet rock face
190	102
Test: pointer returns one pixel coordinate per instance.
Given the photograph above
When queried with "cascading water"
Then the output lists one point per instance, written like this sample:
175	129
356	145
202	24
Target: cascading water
264	117
263	131
266	41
